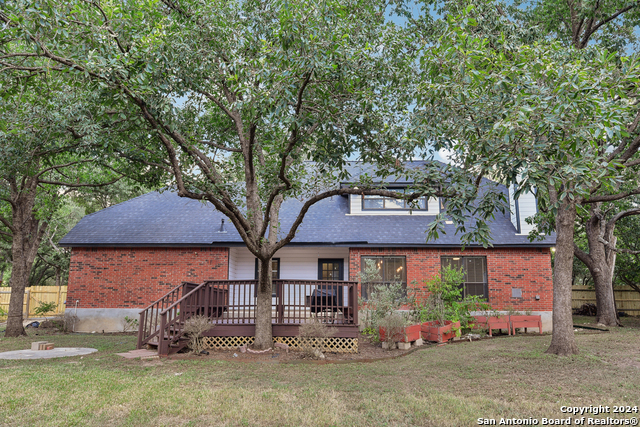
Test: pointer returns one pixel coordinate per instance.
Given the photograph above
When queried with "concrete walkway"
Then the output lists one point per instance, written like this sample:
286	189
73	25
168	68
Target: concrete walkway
47	354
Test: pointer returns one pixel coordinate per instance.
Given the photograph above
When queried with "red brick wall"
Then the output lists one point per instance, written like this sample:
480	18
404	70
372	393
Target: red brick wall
527	269
135	277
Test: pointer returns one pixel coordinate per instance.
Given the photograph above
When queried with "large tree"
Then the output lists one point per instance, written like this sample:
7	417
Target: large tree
49	143
614	25
238	95
537	115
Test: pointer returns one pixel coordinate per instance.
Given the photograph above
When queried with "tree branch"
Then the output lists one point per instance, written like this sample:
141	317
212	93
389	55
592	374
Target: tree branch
221	147
607	20
620	215
582	256
619	250
612	197
107	25
69	184
7	224
64	165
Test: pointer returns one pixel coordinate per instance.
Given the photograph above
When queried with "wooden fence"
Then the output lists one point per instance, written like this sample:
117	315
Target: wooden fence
34	296
627	299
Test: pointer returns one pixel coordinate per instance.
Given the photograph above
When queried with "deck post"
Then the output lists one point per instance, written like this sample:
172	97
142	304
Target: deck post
141	329
279	302
163	340
354	290
206	304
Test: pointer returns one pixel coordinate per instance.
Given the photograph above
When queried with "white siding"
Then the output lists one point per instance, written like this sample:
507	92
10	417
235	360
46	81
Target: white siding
232	263
295	262
355	203
527	208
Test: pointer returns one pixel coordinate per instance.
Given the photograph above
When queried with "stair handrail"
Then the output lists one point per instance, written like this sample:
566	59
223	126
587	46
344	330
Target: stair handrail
183	297
147	325
163	297
167	334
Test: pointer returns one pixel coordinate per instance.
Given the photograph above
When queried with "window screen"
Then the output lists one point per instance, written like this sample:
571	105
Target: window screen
475	274
390	269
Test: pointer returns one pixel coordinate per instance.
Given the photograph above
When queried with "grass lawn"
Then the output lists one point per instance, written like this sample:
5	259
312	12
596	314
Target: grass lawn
453	385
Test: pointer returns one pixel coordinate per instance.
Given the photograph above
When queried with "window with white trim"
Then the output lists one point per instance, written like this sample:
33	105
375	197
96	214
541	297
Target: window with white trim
373	202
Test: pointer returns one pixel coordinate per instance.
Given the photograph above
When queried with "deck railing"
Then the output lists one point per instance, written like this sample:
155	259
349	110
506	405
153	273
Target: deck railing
233	302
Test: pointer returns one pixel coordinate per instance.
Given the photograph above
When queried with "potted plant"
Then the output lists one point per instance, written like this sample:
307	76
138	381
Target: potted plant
397	328
444	312
383	316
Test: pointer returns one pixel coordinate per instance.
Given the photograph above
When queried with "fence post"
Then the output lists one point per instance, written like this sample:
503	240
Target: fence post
58	299
28	297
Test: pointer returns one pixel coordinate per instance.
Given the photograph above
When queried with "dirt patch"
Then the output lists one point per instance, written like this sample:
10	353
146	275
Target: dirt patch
367	350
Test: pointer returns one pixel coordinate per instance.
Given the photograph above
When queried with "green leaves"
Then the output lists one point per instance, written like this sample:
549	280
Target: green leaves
536	114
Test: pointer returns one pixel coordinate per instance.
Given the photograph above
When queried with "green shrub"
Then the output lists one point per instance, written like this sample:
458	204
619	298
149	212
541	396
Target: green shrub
44	308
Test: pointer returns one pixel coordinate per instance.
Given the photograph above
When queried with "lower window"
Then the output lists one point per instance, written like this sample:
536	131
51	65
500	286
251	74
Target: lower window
383	270
475	274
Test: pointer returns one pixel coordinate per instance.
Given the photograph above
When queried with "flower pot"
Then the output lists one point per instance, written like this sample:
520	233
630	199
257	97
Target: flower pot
433	331
407	334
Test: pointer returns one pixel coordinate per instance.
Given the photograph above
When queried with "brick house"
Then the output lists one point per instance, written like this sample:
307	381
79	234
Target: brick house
127	256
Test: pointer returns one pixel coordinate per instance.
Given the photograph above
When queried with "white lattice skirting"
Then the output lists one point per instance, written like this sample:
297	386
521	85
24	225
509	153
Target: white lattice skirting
332	345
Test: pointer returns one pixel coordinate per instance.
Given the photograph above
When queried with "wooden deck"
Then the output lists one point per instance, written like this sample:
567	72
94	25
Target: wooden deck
230	305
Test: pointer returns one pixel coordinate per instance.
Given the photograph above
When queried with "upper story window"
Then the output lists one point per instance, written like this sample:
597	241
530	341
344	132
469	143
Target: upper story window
389	203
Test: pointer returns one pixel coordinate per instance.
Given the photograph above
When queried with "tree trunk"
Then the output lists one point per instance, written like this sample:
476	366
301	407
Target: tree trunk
27	233
264	332
18	283
601	262
563	340
264	328
603	282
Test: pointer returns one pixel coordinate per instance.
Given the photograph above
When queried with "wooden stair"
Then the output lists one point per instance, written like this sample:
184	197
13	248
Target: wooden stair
166	318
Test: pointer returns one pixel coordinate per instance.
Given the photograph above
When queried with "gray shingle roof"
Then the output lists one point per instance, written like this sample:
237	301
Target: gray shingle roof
165	219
